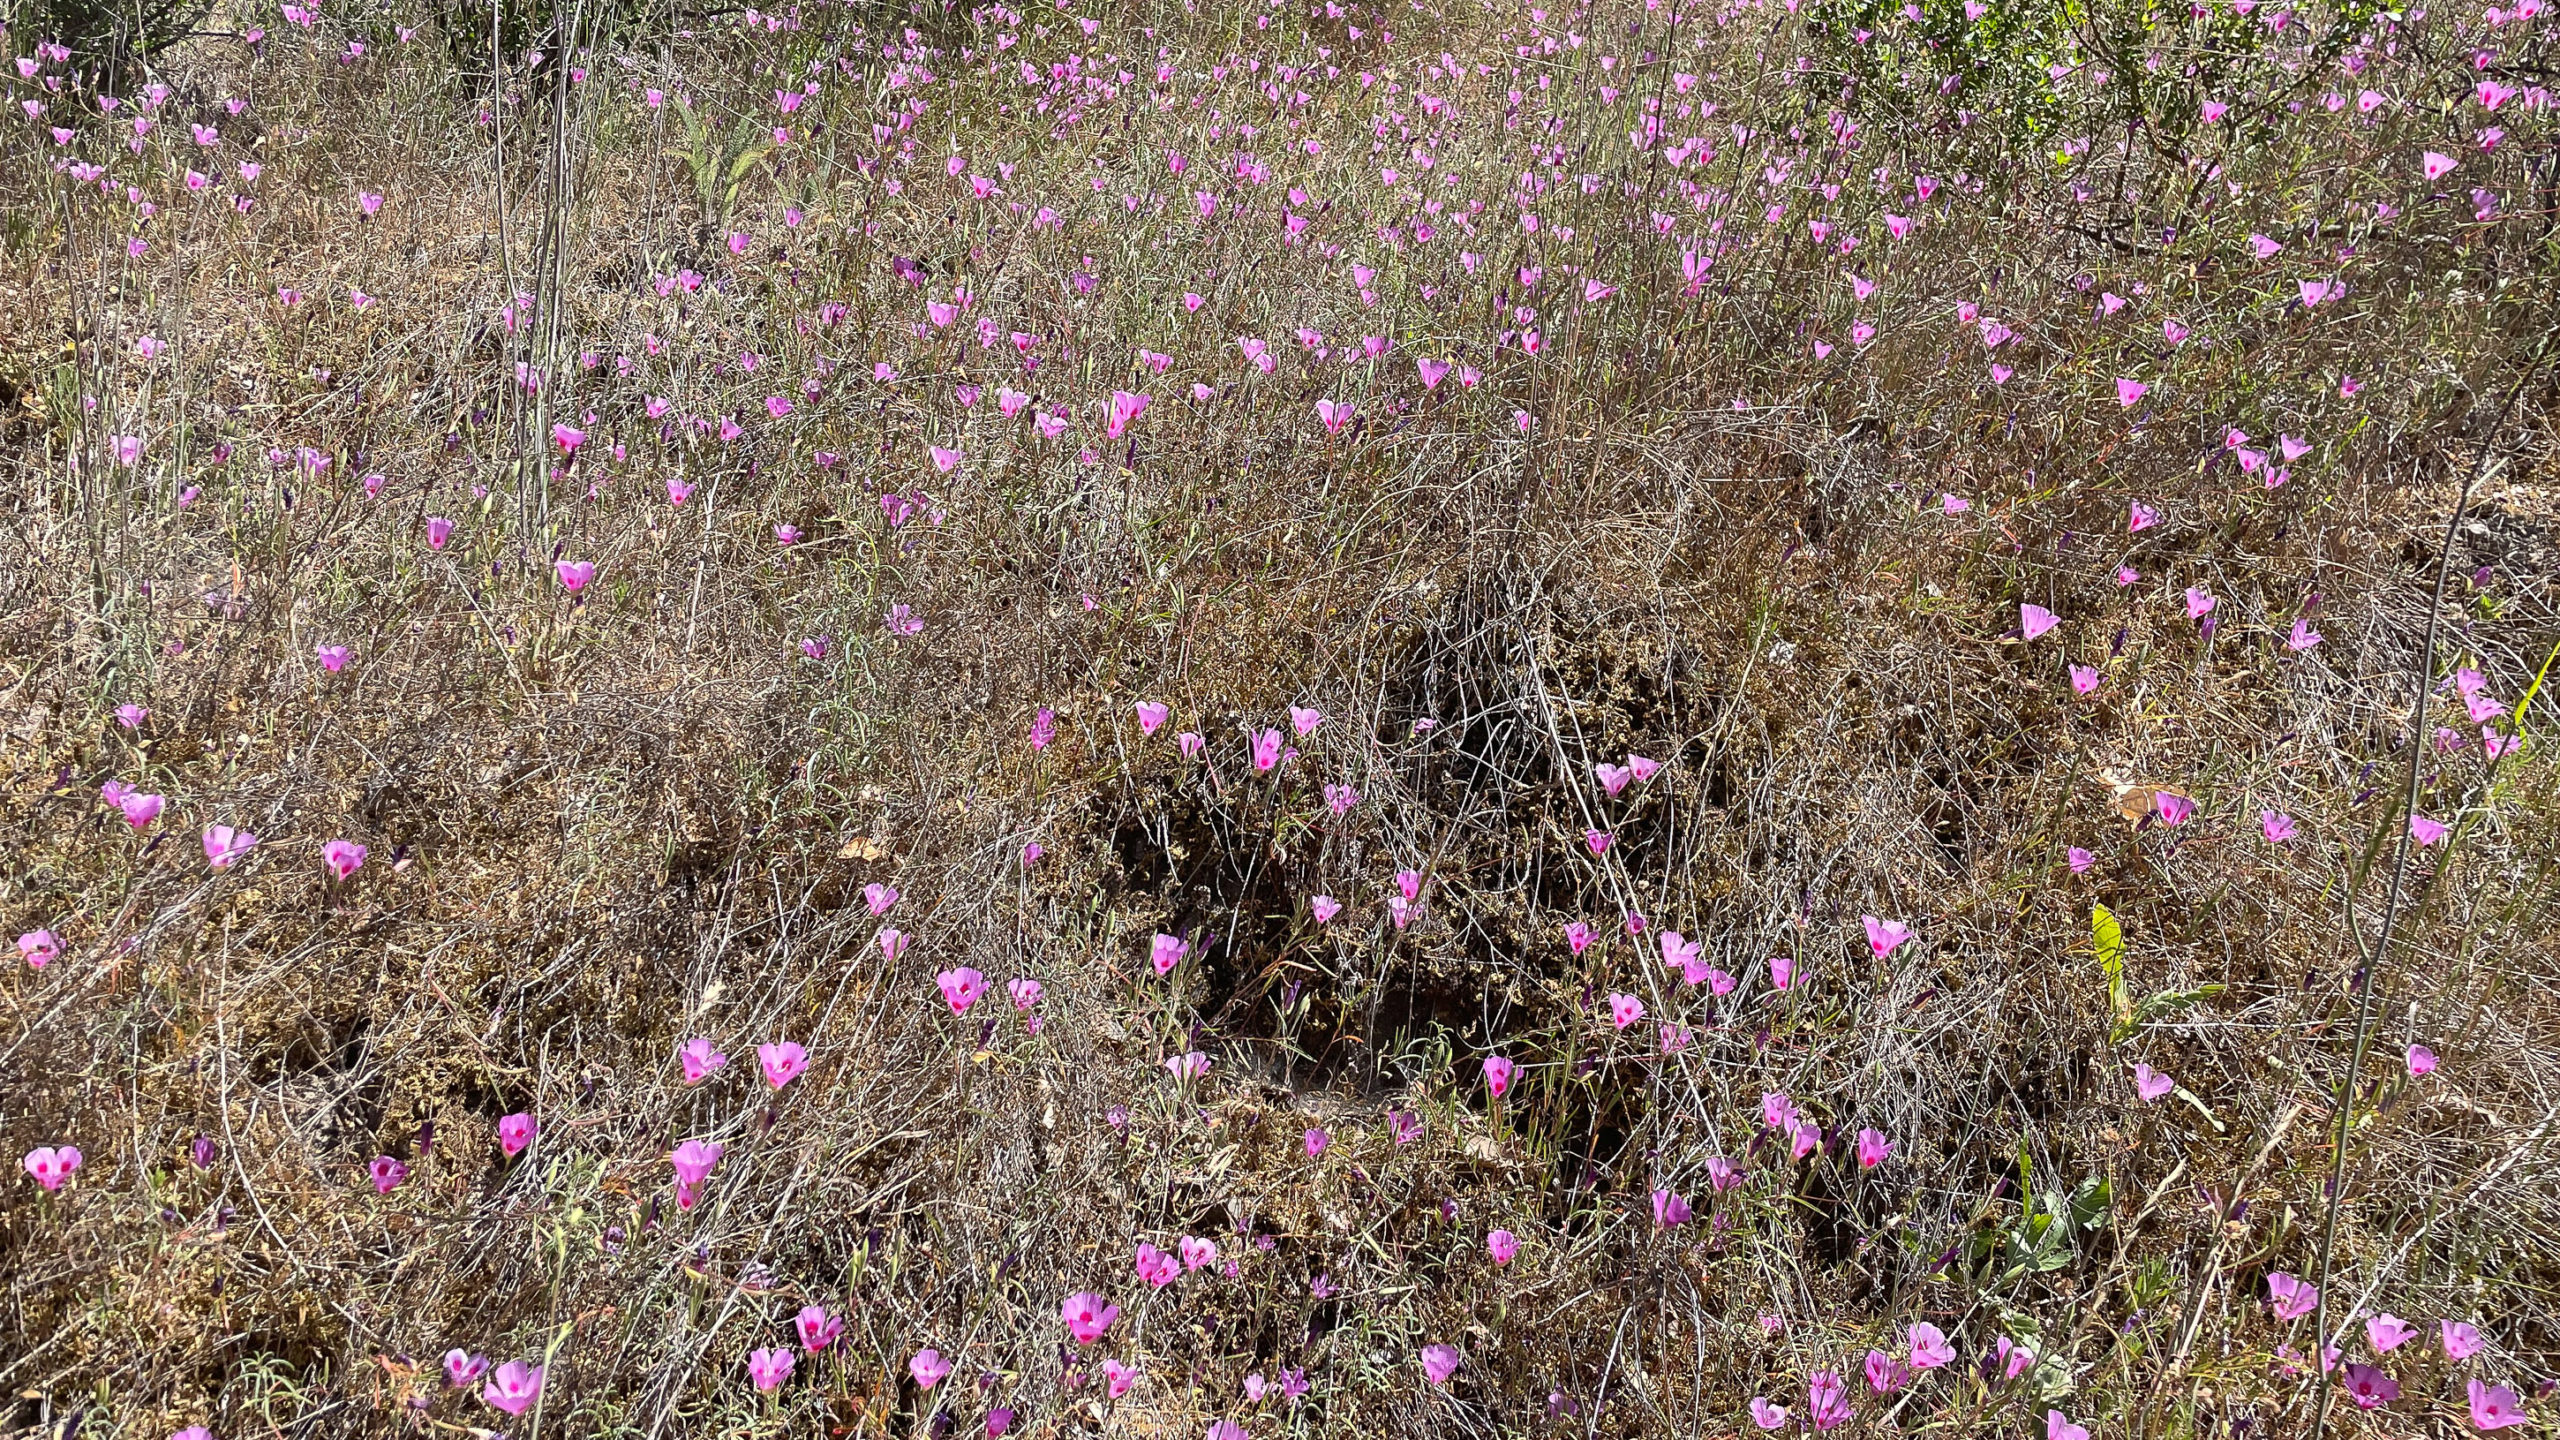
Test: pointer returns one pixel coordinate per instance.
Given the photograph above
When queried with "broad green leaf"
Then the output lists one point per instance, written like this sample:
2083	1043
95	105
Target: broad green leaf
2108	936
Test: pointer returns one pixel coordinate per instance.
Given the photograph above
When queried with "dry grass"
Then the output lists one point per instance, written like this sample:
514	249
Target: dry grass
601	825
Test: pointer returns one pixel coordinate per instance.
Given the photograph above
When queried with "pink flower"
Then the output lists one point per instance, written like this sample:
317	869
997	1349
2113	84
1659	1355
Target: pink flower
2425	831
2291	1297
515	1132
1439	1362
2150	1084
514	1387
2035	620
2129	393
1087	1316
2174	808
439	530
928	1367
1827	1400
50	1165
1929	1347
1497	1074
1167	951
1156	1267
1317	1139
1873	1147
1886	1374
2436	166
574	574
693	1161
961	988
1150	716
2276	826
1598	840
2058	1428
699	1059
1782	972
1502	1245
387	1174
1024	990
461	1368
2369	1387
1125	408
1324	907
818	1329
1044	728
223	846
782	1061
2200	602
1266	749
1190	1066
139	809
343	857
2080	860
1624	1010
1885	936
1669	1209
2388	1332
1766	1415
39	948
1196	1254
2461	1341
2422	1061
879	897
893	943
1118	1379
770	1366
2494	1407
1678	953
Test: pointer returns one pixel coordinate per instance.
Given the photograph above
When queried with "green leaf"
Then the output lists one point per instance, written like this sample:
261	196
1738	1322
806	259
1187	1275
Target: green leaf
2108	936
2534	689
2089	1201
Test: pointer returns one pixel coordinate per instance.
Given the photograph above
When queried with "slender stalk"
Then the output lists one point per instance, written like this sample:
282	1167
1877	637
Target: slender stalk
2373	963
506	254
